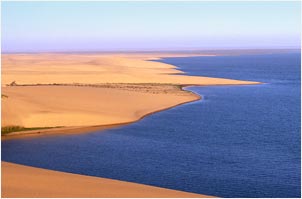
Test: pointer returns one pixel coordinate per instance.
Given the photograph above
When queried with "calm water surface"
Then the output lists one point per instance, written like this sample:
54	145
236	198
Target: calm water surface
239	141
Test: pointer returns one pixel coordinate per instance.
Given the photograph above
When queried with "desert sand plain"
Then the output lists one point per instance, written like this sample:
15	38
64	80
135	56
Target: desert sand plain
84	92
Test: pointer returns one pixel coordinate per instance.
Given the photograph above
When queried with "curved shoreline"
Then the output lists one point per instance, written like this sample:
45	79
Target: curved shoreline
132	189
89	129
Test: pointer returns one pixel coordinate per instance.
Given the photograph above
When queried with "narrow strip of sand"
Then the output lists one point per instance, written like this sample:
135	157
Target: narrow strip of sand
23	181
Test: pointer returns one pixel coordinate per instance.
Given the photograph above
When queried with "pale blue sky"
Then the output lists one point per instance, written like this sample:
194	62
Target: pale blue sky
99	26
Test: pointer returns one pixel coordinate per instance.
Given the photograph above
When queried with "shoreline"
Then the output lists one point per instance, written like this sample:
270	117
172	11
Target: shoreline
133	188
88	129
69	130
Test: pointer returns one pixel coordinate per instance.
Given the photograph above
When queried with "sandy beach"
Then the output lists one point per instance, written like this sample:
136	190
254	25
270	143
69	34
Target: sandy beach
81	93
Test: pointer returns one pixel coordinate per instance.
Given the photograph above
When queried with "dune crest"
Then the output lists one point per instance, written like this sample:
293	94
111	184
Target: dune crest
24	181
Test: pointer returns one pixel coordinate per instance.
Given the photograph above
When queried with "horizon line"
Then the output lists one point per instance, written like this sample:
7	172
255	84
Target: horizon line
152	51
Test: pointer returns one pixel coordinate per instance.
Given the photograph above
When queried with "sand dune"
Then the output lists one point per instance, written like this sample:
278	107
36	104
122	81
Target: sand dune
24	181
48	106
95	68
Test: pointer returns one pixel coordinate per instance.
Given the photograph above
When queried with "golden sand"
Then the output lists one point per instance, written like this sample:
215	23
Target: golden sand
90	68
117	98
24	181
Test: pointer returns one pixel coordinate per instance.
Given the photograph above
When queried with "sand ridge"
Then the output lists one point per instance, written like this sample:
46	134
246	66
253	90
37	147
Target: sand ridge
25	181
96	68
48	106
91	89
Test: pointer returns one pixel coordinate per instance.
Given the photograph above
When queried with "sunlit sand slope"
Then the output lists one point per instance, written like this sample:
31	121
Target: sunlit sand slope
24	181
112	96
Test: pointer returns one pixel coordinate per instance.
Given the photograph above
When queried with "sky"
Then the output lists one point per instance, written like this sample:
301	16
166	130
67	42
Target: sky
118	26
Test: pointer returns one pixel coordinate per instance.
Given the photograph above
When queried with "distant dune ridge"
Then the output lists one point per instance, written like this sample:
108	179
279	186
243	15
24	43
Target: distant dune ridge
85	92
74	105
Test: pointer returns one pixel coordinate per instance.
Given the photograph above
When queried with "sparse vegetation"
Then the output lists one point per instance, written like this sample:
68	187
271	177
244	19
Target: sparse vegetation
9	129
154	88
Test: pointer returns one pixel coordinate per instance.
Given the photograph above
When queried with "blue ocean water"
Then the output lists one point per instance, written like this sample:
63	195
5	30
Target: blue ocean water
238	141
